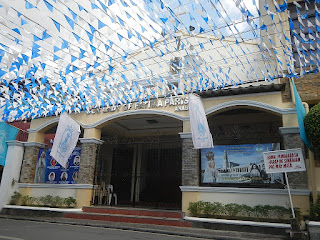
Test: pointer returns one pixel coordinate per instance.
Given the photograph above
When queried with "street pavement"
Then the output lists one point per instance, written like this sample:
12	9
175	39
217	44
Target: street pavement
28	228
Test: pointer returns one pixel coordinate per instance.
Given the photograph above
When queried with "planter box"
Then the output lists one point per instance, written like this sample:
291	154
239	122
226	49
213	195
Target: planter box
240	226
314	230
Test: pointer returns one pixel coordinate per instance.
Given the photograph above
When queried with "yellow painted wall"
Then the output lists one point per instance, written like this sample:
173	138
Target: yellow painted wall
301	202
83	197
188	197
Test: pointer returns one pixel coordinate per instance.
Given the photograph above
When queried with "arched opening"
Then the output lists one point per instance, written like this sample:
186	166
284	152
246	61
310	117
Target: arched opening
244	125
141	157
241	134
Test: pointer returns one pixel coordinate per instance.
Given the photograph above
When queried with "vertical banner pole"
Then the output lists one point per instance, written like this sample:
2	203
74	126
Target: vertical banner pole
289	192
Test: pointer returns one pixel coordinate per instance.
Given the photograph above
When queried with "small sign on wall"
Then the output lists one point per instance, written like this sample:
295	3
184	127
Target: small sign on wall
290	160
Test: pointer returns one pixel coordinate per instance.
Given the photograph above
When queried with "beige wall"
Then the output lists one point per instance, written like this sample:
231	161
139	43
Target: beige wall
82	195
273	99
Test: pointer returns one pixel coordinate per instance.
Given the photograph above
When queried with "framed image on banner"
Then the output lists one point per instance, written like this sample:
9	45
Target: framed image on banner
48	170
238	165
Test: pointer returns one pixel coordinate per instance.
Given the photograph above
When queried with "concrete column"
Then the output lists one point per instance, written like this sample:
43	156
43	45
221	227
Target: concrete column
89	152
291	139
92	133
29	162
11	171
190	161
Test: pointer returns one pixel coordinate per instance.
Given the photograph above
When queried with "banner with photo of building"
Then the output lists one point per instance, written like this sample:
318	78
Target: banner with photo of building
48	170
238	164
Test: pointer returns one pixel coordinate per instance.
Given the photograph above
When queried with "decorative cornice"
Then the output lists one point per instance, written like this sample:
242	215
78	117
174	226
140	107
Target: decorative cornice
34	144
185	135
288	130
91	140
270	191
136	112
251	104
60	186
48	123
15	143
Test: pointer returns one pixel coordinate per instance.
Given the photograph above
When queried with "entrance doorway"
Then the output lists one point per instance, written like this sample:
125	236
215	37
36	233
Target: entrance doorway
143	174
141	158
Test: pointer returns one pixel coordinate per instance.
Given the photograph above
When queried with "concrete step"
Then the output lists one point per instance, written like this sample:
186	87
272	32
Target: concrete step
130	219
134	211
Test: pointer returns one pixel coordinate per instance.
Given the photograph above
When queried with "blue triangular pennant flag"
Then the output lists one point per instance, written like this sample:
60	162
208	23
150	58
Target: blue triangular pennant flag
92	29
29	5
81	54
76	37
45	35
23	22
16	30
56	24
120	37
70	21
73	58
55	57
49	6
103	6
100	24
65	44
74	15
94	6
80	7
90	36
110	69
93	49
25	58
55	49
96	64
36	38
2	73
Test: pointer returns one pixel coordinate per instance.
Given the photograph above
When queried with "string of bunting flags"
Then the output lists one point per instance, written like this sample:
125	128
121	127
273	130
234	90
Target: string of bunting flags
71	56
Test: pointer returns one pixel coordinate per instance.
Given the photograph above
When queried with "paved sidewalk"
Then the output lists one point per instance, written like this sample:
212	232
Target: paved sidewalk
54	215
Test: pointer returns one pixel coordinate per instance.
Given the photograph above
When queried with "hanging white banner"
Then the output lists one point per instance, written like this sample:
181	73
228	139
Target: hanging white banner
66	139
201	135
290	160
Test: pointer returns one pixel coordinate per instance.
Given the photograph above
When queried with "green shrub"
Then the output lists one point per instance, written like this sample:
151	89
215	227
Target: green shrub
232	209
27	201
280	211
312	127
70	201
57	201
246	210
15	198
46	200
195	209
315	212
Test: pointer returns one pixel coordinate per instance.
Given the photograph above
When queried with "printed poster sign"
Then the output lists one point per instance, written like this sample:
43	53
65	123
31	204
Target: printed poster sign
240	164
48	170
290	160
